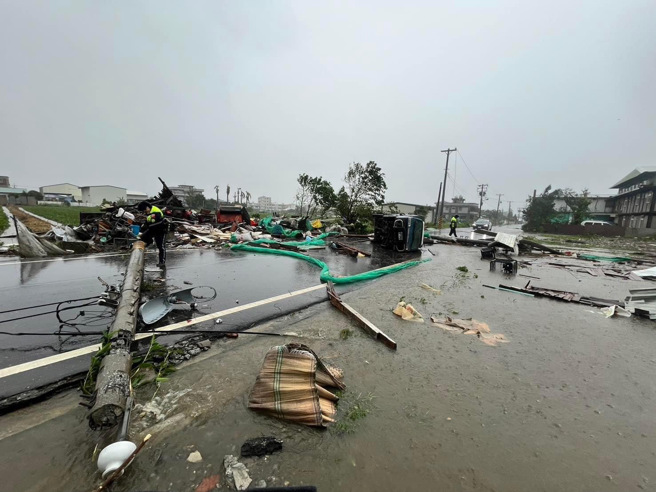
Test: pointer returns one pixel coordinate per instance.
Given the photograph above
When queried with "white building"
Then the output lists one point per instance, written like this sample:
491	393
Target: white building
264	203
184	191
62	189
134	197
94	195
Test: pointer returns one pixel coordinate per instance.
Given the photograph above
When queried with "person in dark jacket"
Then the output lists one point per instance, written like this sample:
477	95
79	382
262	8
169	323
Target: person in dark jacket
454	224
155	228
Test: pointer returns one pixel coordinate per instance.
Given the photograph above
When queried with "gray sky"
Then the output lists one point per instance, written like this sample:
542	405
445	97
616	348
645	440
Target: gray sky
253	93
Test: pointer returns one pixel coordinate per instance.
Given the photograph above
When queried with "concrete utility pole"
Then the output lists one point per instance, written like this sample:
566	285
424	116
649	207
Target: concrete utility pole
482	191
437	204
509	203
446	169
498	205
113	385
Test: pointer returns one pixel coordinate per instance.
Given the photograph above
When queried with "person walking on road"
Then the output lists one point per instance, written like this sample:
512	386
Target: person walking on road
155	228
454	224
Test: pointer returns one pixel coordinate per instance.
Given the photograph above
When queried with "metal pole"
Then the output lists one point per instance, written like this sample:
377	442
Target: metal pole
446	169
113	381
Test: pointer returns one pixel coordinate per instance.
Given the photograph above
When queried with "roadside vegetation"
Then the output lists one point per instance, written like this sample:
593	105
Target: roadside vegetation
62	214
4	221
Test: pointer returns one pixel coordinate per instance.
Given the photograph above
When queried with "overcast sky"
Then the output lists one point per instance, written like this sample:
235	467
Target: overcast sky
252	93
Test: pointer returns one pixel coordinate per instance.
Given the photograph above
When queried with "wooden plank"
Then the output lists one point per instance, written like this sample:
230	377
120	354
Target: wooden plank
351	248
360	320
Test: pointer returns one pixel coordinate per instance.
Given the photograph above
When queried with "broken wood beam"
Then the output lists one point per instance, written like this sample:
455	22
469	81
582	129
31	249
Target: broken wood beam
113	381
351	248
360	320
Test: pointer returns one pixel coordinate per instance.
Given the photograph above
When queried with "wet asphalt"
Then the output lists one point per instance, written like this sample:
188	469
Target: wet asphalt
566	404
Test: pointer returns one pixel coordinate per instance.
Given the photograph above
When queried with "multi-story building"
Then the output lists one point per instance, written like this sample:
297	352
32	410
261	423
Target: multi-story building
264	203
600	208
634	204
184	191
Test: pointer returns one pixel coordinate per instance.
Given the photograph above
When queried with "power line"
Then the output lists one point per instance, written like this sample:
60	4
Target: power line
465	163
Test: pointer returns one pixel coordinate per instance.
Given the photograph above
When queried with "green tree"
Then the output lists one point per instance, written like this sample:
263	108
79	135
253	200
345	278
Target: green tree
314	194
364	189
579	204
540	210
195	200
422	212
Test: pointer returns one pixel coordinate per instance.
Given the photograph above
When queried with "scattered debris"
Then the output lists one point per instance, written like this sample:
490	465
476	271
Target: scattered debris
209	483
259	446
649	273
237	472
432	289
470	327
291	386
360	320
642	302
508	266
561	295
407	312
195	457
463	269
182	300
611	311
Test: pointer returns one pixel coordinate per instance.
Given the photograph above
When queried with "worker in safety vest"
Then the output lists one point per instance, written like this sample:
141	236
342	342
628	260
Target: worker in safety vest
454	224
155	228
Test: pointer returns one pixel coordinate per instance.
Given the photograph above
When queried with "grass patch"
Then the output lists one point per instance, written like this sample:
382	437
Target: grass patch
356	410
63	215
463	269
4	221
345	334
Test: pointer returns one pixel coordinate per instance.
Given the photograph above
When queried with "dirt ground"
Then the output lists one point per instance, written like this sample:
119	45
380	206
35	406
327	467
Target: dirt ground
33	224
565	405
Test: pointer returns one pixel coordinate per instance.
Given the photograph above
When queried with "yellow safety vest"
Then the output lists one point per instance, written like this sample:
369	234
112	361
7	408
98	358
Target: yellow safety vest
454	221
154	211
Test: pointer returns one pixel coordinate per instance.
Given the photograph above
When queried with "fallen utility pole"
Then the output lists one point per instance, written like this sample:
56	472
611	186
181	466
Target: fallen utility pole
360	320
113	381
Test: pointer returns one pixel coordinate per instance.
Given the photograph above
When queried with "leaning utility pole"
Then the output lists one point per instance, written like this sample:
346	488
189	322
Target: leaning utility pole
498	205
482	191
113	384
446	169
437	204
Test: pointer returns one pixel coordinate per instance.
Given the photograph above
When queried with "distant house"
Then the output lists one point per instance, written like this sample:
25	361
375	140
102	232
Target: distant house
467	211
4	182
62	189
634	204
600	208
94	195
11	196
425	211
134	197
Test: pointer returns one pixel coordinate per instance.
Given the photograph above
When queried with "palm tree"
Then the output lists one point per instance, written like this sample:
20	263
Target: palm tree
228	193
248	197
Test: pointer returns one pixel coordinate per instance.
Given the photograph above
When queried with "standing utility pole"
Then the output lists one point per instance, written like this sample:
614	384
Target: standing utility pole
482	191
446	169
498	205
509	203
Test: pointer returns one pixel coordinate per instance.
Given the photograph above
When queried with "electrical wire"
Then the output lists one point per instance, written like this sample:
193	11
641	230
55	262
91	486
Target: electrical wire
48	304
465	163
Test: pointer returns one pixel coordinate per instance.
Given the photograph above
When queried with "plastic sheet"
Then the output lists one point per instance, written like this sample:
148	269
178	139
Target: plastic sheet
325	275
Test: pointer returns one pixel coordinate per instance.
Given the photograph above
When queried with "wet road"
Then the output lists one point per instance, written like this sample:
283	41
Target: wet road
565	405
239	278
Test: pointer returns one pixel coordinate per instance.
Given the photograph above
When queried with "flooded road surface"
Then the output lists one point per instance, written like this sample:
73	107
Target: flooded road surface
239	278
566	405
